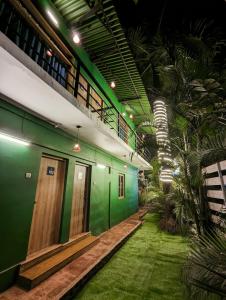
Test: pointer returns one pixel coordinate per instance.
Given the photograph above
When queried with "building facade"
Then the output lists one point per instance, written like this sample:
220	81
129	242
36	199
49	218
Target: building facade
69	150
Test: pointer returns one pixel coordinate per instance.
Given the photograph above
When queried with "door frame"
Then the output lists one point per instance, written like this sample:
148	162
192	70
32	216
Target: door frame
66	160
87	194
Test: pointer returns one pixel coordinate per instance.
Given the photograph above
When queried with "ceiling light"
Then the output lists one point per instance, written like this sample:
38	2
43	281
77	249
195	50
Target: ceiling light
77	148
13	139
124	114
112	84
131	116
76	37
52	17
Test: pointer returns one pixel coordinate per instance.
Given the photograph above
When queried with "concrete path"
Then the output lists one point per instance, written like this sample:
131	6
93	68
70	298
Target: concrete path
76	273
147	267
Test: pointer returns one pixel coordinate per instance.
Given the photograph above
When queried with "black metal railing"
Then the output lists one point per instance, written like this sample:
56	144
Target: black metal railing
17	28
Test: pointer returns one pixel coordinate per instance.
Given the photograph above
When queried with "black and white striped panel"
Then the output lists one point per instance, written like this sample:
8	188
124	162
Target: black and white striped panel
215	191
223	171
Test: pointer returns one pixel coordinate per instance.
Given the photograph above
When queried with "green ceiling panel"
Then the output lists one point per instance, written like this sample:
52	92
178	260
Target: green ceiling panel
104	40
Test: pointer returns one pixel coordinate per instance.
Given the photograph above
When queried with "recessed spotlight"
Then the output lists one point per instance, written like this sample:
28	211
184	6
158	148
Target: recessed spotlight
52	17
112	84
76	37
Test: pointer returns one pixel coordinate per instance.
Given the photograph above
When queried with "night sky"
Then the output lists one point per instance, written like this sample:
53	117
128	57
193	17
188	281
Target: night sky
147	13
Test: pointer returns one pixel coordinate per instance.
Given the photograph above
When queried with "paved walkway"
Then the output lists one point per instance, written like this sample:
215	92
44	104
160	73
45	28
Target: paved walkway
147	267
75	272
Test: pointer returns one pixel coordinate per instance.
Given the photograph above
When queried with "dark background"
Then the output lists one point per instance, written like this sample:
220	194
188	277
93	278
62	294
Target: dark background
177	14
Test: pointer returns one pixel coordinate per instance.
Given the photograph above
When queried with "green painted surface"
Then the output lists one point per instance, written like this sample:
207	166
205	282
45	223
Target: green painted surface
17	198
8	278
99	204
17	194
96	75
122	208
147	267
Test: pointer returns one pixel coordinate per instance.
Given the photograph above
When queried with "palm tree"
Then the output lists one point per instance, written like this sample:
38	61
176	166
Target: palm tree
186	71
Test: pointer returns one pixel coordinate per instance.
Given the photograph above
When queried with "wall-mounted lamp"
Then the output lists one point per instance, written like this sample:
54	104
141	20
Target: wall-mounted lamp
49	52
77	147
101	166
14	139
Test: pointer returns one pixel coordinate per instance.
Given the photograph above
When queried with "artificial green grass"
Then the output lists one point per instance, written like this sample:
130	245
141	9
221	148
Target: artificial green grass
147	267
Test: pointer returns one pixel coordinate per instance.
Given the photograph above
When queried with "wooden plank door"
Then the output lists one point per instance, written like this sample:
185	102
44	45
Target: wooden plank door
79	200
48	204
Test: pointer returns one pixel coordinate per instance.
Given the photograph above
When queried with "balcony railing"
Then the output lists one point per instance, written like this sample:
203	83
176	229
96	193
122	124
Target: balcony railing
17	28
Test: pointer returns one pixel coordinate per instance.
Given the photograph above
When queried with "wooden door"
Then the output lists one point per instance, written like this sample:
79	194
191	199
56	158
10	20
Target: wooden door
79	201
48	204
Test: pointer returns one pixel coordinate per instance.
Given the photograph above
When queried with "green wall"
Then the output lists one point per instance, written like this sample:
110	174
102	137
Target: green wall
17	194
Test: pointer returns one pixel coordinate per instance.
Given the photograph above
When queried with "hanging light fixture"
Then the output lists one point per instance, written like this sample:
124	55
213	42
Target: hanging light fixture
77	147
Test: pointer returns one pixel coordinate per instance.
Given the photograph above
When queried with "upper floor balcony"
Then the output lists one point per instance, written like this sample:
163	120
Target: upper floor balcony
47	78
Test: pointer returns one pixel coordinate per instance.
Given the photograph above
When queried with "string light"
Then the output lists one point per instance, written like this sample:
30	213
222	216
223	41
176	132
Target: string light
164	153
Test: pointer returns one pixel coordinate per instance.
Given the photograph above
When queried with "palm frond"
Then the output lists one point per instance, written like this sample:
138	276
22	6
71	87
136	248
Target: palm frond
205	270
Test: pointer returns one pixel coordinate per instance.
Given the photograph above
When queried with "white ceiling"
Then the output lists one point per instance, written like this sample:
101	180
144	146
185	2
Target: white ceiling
23	86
